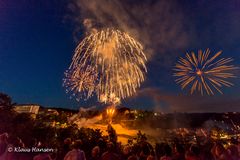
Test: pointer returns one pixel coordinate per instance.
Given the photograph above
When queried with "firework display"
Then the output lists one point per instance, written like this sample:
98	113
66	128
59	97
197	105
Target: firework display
81	82
203	73
106	63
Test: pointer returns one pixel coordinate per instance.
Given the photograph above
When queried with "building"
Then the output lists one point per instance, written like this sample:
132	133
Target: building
27	108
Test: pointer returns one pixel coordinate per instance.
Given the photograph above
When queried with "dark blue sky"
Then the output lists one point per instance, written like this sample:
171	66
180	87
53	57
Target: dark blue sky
38	38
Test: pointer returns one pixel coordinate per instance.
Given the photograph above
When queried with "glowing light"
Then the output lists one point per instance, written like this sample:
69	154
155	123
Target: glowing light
199	72
109	64
110	112
204	73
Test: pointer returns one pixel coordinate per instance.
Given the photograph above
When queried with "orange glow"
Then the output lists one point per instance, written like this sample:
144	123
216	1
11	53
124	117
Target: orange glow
199	72
110	112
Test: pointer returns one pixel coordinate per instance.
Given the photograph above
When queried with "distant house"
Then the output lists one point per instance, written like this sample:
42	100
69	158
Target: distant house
124	110
27	108
48	111
51	112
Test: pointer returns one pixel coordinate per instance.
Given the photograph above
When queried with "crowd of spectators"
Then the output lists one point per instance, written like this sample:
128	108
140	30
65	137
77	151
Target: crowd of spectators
107	150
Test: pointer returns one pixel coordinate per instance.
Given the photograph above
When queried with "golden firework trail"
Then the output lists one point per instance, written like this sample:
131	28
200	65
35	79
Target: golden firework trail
80	82
117	61
203	73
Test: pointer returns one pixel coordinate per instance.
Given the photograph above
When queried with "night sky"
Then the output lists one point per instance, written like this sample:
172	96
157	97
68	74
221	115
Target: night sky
38	38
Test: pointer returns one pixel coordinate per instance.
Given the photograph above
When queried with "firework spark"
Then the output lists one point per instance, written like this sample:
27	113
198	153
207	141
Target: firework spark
109	98
203	73
117	61
80	82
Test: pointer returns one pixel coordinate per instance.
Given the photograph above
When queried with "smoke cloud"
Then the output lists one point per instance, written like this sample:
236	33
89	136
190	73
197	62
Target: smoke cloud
160	26
166	102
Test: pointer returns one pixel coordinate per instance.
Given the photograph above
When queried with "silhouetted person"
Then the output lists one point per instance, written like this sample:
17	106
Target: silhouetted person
220	153
42	156
168	153
76	153
132	157
179	152
193	153
150	157
126	152
95	154
3	143
66	147
233	151
109	154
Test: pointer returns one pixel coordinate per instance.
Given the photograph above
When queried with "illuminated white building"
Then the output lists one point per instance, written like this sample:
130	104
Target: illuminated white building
27	108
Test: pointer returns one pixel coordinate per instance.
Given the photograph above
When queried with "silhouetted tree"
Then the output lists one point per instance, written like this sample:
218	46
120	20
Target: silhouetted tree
7	114
5	101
